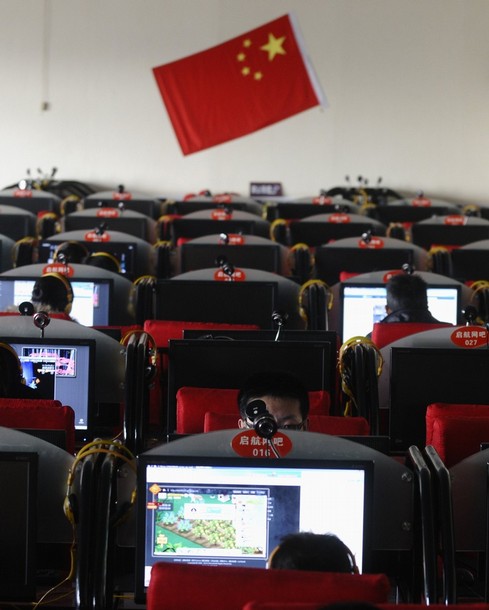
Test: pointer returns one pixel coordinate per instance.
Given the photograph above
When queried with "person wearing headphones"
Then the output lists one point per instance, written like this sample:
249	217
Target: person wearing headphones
313	552
284	395
11	379
52	293
103	260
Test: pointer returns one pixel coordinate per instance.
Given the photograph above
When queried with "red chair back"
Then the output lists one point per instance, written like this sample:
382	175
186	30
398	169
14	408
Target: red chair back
193	404
39	414
385	333
186	587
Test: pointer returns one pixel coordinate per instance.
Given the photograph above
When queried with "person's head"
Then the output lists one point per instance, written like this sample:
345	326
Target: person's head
313	552
103	260
10	371
406	291
284	395
52	293
70	252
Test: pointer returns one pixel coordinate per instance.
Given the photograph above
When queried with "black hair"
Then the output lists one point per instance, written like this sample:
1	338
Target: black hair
278	384
103	260
72	251
52	293
405	291
10	371
314	552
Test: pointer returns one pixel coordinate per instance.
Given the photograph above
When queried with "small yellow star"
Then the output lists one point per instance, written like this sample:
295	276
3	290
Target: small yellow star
274	46
245	71
247	42
257	75
241	56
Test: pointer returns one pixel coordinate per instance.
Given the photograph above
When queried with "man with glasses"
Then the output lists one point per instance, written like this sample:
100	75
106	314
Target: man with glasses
284	395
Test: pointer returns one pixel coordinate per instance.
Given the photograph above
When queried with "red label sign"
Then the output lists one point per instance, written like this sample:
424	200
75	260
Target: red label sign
221	215
322	200
121	196
421	202
222	198
392	273
65	270
107	213
22	193
94	236
233	239
238	276
339	218
249	444
375	243
469	337
455	220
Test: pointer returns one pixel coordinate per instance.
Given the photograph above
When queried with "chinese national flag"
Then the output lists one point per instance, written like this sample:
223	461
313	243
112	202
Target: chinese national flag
239	86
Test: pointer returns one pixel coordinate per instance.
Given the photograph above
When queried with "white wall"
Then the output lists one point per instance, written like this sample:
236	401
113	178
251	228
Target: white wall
406	81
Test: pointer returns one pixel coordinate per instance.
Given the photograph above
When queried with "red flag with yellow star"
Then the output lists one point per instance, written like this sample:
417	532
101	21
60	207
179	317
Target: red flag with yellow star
239	86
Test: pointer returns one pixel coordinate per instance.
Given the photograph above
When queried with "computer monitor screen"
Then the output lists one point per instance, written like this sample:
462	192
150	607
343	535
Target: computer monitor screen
60	369
18	509
91	298
233	512
125	253
330	261
363	305
248	302
315	233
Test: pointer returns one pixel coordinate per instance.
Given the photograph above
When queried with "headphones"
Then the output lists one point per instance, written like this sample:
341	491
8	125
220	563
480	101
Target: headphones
106	255
98	447
67	244
304	288
151	370
67	285
345	372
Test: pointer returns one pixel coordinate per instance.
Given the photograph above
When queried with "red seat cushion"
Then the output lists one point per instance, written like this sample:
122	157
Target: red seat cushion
456	438
187	587
193	403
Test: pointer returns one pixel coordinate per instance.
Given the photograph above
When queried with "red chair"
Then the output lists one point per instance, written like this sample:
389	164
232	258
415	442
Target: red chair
326	424
385	333
193	404
254	605
26	413
186	587
456	430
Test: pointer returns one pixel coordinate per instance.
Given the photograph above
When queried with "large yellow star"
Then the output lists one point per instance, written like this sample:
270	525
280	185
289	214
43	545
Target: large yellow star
274	46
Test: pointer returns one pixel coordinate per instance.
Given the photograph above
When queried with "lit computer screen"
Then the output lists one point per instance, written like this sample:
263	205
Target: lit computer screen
91	298
60	369
364	305
233	512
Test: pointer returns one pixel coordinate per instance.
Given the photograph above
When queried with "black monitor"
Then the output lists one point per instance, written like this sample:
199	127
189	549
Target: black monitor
363	304
247	302
15	224
189	228
92	298
321	231
61	369
254	256
295	210
329	337
470	263
424	375
331	261
125	253
427	234
227	364
18	531
407	212
134	223
148	207
225	511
